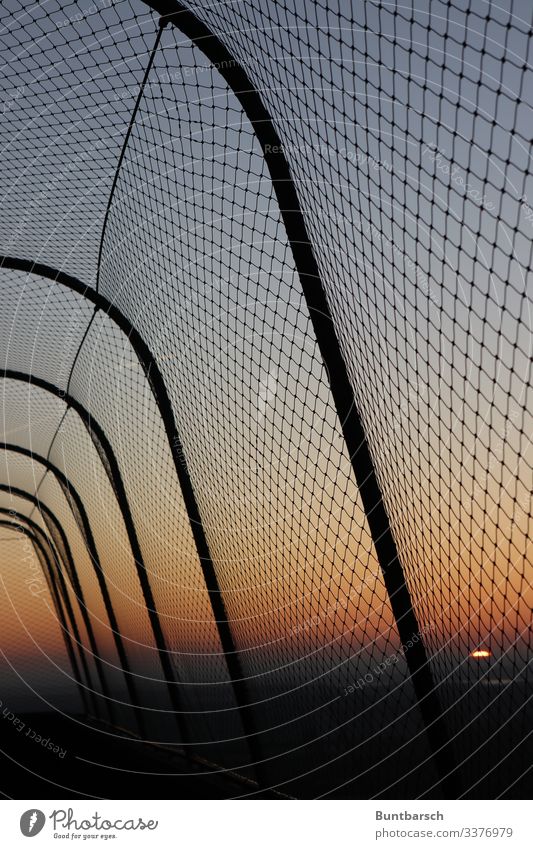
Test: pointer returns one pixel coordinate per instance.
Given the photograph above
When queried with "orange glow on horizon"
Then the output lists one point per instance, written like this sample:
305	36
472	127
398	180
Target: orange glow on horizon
481	653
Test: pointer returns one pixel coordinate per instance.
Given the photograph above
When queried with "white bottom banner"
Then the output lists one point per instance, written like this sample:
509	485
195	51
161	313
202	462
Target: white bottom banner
267	824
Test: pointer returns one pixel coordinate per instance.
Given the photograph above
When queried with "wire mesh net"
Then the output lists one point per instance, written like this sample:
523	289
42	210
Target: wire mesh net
184	394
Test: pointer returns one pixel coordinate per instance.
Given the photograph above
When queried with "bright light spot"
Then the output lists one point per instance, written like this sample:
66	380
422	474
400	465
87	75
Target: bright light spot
478	653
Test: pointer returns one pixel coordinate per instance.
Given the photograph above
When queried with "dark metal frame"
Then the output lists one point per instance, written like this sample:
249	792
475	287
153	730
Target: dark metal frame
341	387
65	554
112	469
76	505
157	384
62	591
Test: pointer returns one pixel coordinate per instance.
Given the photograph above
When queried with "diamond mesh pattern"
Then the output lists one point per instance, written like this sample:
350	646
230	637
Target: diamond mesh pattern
407	136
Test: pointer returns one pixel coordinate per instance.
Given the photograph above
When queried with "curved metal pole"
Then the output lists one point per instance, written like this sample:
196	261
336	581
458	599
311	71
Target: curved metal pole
50	517
162	399
133	115
57	603
58	535
64	627
341	387
112	469
55	558
76	505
